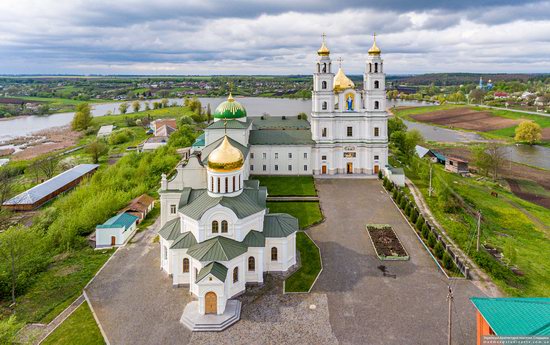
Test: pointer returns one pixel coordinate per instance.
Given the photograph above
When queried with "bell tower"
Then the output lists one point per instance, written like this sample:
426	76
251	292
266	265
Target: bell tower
374	80
322	96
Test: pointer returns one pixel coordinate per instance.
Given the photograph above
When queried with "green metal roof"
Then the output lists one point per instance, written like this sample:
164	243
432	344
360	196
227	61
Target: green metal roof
280	137
171	230
279	123
515	316
215	268
205	152
230	109
279	225
254	239
219	248
231	124
200	141
243	205
121	220
185	240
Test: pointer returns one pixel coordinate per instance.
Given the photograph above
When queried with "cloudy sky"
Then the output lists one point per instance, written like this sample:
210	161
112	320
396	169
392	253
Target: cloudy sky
270	36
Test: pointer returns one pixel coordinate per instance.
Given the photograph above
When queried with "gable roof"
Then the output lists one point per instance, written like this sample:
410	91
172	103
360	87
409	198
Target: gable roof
219	248
215	268
421	151
231	124
439	156
279	225
515	316
185	240
280	137
171	229
121	220
200	141
254	239
243	205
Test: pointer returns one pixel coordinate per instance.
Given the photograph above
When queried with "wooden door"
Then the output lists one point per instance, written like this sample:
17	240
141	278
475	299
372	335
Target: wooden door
376	169
324	170
113	240
211	303
350	168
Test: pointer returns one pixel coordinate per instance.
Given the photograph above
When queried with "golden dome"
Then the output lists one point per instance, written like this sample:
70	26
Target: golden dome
374	50
342	82
225	157
323	51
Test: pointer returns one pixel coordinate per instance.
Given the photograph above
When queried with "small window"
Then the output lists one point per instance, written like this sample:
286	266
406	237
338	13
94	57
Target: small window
165	253
215	227
185	265
305	155
324	133
305	167
376	84
252	155
219	185
264	167
227	184
274	254
235	274
376	131
324	158
196	274
350	131
289	167
324	85
264	155
376	157
276	155
251	264
376	105
289	155
234	184
212	183
224	226
251	167
173	209
324	107
276	167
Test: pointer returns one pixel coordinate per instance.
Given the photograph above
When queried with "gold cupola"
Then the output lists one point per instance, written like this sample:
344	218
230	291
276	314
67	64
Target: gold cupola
225	158
374	50
323	51
342	82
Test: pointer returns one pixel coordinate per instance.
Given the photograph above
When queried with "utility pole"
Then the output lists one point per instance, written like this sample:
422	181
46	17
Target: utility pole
430	188
450	300
478	229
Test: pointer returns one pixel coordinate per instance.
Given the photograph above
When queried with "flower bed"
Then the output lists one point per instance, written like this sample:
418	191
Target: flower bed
386	243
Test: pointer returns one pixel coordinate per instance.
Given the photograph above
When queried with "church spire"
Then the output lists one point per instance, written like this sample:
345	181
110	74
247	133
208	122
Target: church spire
323	51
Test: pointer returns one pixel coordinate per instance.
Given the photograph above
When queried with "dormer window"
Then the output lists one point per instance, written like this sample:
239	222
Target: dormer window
224	226
215	227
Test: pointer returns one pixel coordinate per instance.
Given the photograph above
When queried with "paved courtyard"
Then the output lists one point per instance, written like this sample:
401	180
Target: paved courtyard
365	307
353	303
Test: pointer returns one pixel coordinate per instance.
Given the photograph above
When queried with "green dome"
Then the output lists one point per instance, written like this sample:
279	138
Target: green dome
230	109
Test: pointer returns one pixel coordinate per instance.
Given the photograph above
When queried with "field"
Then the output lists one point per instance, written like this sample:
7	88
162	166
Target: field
303	278
307	212
287	185
466	118
79	328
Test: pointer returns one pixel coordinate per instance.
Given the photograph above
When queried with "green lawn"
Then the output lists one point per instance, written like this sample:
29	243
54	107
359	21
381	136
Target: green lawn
307	212
79	328
57	287
303	278
503	226
287	185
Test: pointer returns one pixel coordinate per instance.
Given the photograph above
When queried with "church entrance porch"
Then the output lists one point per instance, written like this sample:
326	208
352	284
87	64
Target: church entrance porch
349	168
211	303
376	169
324	170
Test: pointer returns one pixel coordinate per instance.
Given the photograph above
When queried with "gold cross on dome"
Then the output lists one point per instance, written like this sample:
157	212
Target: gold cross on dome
374	36
323	36
340	61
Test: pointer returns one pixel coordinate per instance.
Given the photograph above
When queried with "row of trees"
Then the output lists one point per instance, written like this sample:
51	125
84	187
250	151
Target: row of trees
402	141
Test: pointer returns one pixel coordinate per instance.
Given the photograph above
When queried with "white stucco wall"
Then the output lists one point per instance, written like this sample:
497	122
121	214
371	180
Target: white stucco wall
277	159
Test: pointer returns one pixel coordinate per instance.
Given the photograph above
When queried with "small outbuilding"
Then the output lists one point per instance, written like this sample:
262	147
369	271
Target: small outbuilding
116	231
456	165
105	131
396	175
140	206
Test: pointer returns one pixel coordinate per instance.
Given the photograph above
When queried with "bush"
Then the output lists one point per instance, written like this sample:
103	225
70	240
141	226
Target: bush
390	186
419	223
403	203
438	250
414	216
121	136
395	194
425	230
447	261
399	198
408	209
432	240
380	174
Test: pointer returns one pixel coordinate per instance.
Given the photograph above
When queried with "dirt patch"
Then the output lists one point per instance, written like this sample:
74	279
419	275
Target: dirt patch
541	200
47	141
546	134
385	242
65	271
482	121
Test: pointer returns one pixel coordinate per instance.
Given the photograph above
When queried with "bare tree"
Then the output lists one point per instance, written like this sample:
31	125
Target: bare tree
44	167
6	186
496	159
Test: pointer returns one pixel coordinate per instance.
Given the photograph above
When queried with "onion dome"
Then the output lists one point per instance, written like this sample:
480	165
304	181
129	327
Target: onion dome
230	109
323	51
225	157
374	50
342	82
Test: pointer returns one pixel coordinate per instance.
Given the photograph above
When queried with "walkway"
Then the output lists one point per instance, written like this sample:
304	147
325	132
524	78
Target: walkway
366	307
292	198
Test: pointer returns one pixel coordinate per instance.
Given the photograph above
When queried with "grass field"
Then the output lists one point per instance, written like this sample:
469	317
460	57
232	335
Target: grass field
57	287
287	185
507	224
79	328
303	278
307	212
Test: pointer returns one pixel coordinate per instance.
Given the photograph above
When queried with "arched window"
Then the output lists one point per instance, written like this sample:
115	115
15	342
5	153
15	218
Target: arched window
234	184
215	227
318	68
196	274
240	177
324	68
324	105
376	67
212	183
226	184
219	184
376	105
185	265
274	254
224	226
324	85
235	274
165	253
381	64
251	264
370	67
376	84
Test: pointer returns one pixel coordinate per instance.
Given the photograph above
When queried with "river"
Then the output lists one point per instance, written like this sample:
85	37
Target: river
257	106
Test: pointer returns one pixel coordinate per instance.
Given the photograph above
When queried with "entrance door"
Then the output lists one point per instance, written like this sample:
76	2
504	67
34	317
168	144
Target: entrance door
113	240
211	303
376	169
324	170
349	168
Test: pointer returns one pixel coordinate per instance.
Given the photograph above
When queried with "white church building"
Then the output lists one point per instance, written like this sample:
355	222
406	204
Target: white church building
217	234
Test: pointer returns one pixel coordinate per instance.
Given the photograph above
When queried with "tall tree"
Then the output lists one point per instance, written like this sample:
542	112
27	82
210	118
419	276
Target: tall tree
496	158
6	185
123	107
136	106
82	117
96	149
528	132
208	113
164	102
45	167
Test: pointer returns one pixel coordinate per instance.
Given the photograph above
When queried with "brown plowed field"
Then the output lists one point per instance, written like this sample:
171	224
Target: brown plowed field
482	121
546	134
